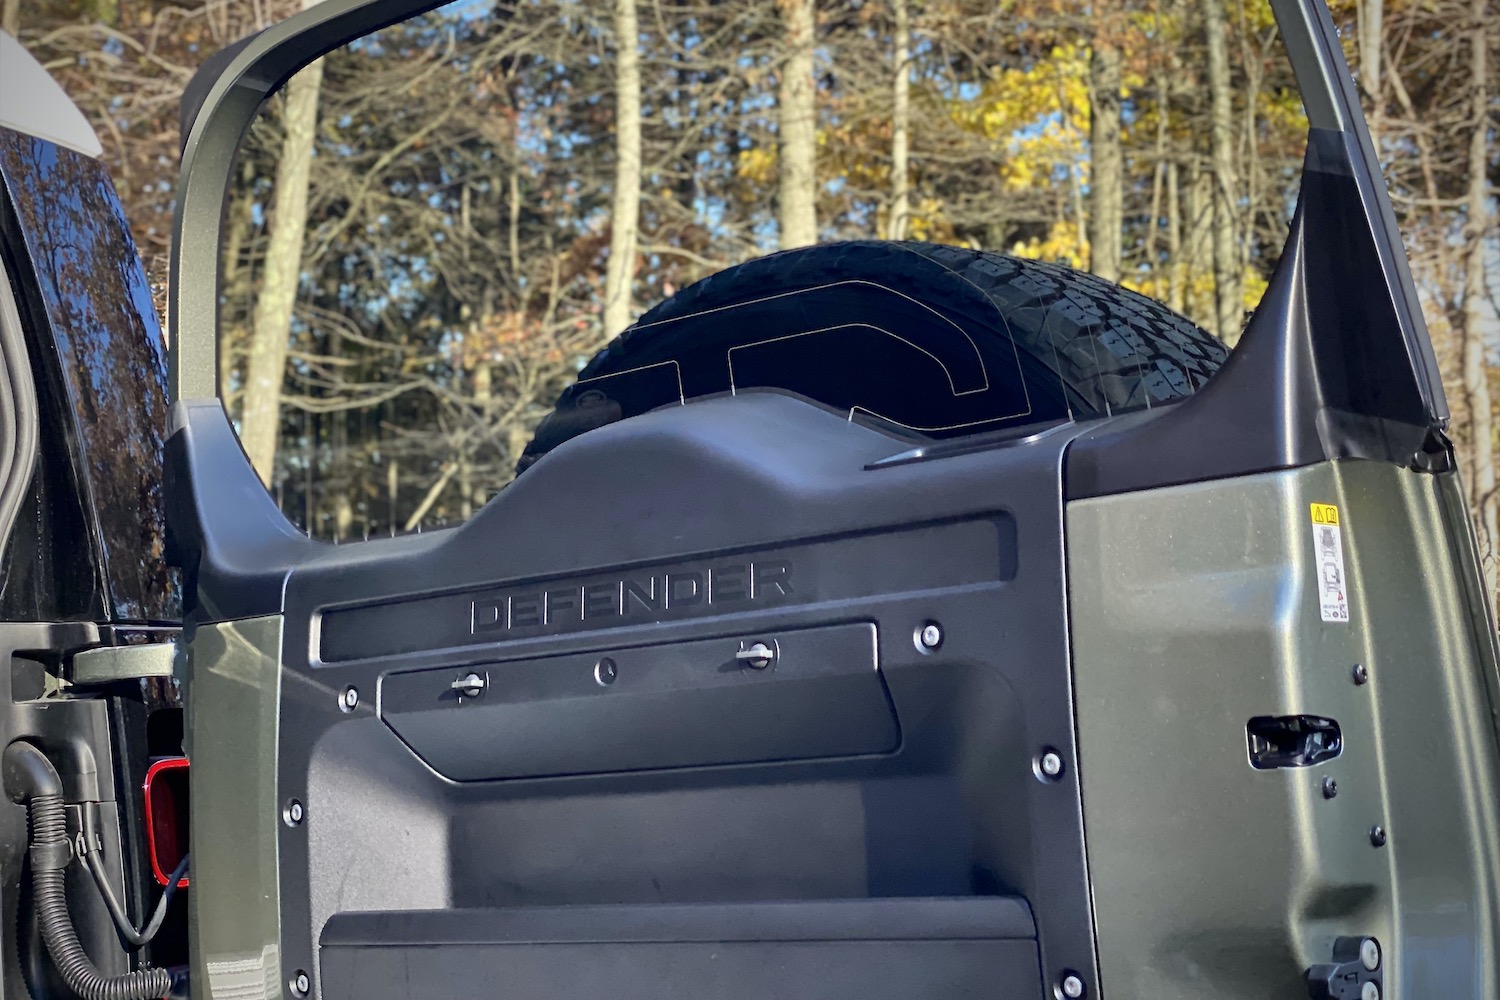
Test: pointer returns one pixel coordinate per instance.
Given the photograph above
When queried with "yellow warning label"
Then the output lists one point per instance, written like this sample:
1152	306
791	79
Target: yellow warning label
1325	513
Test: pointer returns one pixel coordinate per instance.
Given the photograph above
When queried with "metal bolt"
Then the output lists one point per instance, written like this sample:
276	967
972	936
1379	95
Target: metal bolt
1050	765
293	813
1330	788
1072	986
1369	991
349	700
1369	954
605	671
301	984
1377	836
930	636
1361	675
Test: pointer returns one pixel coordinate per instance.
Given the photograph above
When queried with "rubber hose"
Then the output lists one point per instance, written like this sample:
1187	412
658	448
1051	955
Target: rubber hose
49	838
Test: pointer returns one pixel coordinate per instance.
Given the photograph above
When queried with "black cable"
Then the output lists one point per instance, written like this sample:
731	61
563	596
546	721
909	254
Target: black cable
117	912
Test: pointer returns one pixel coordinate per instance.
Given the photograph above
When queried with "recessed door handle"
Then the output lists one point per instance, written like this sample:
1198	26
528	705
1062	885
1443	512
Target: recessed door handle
1292	740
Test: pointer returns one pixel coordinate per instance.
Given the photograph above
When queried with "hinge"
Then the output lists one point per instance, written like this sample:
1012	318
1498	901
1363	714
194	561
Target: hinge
108	664
1436	455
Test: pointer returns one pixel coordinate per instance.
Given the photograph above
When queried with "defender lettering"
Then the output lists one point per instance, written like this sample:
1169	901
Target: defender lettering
656	594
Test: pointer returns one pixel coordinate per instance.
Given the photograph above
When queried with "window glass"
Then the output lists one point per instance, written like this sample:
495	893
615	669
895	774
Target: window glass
421	238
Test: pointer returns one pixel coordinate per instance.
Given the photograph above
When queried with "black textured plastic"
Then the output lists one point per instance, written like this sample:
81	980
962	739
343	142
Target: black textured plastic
877	949
629	807
1321	372
680	704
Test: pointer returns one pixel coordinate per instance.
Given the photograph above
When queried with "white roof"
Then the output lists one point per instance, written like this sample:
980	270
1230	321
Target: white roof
33	103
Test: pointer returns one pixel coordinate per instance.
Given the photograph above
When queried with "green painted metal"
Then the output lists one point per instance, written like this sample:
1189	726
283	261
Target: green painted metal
1196	608
234	673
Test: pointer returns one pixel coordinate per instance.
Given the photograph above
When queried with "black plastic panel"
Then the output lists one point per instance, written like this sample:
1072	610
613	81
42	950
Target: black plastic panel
693	793
1322	371
870	949
75	734
979	551
671	705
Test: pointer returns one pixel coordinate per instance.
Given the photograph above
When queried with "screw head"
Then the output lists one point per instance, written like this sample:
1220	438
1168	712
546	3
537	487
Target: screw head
1369	954
301	983
1377	836
605	671
1369	991
1330	788
1049	765
293	814
930	636
1072	986
1360	674
349	700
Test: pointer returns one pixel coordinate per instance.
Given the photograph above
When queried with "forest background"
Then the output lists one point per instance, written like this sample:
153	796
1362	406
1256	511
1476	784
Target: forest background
433	232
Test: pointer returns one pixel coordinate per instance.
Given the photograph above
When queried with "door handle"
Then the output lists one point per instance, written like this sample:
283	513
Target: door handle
758	655
471	685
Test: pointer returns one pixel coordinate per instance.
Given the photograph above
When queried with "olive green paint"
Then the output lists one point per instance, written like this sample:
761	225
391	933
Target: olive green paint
1195	608
234	681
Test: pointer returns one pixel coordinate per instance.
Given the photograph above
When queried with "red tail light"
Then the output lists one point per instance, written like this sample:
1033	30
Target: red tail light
166	794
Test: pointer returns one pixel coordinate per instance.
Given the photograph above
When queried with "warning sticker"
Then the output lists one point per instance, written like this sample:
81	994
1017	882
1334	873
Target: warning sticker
1328	557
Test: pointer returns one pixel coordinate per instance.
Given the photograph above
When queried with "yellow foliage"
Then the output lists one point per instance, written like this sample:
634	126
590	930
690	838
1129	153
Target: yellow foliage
929	223
1254	285
1062	244
1282	114
1039	113
757	164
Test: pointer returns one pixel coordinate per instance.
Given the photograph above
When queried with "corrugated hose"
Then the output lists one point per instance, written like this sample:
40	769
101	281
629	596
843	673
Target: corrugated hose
30	779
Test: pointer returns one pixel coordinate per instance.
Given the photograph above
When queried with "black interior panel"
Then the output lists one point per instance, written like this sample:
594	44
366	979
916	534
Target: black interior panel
732	582
871	949
862	777
817	693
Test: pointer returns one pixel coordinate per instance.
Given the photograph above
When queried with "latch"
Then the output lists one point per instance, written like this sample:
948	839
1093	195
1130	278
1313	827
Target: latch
1354	974
1292	740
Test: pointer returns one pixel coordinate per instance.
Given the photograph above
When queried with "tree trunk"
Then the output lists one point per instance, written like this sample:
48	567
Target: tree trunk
271	329
1199	236
1107	180
1371	28
900	214
392	490
1228	296
10	17
1481	222
625	222
1158	175
1175	267
798	181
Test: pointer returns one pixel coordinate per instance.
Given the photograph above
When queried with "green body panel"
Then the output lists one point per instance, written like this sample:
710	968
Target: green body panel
1195	609
234	675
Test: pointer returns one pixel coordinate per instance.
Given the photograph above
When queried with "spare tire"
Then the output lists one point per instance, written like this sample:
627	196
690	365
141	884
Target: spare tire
937	340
